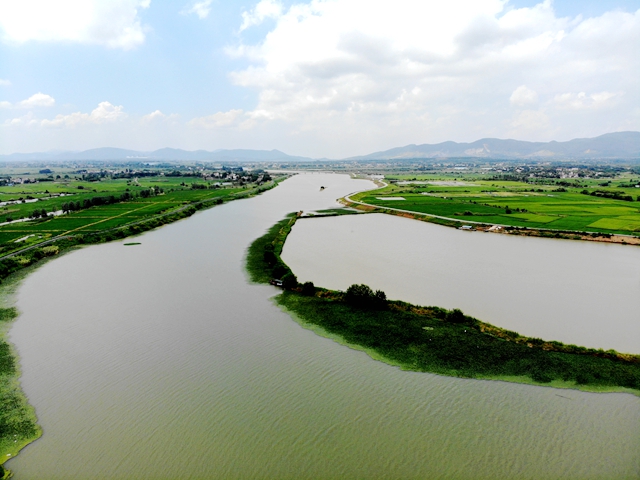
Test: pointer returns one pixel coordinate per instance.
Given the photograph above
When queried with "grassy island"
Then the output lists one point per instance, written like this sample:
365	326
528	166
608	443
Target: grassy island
433	339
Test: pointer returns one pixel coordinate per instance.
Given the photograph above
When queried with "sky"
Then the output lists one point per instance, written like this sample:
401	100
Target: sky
317	78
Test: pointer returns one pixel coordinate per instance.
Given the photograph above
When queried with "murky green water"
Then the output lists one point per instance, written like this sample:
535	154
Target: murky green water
161	361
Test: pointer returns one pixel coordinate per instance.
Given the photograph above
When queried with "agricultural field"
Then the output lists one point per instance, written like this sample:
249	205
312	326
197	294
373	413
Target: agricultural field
586	205
39	204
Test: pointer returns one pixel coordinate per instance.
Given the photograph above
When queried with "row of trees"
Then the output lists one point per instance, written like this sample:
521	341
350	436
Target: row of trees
607	194
99	200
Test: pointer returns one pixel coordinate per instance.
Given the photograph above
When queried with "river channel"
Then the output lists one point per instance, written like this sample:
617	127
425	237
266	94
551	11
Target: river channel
162	361
584	293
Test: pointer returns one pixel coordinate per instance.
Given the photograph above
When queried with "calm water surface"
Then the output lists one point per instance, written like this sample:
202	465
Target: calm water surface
584	293
161	361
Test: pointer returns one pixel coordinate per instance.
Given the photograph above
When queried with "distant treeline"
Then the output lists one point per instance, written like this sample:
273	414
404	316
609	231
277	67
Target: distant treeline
608	194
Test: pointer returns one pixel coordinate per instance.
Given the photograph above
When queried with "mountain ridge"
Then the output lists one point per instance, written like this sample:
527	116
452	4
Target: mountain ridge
617	145
609	145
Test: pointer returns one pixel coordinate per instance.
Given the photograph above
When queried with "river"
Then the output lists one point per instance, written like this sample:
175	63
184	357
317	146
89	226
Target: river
584	293
162	361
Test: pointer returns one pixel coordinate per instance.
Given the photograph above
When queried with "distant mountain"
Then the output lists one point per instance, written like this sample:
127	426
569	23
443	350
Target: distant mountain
611	145
164	154
624	145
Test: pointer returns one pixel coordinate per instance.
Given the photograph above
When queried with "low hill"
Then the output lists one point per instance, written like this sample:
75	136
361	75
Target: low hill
611	145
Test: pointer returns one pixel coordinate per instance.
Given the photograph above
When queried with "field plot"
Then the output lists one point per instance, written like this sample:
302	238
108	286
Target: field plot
104	203
517	204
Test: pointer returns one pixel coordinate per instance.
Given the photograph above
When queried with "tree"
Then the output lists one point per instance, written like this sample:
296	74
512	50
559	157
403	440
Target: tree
455	316
309	289
360	295
289	281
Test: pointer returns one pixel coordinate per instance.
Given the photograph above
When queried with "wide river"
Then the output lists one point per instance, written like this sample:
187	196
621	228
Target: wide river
585	293
161	361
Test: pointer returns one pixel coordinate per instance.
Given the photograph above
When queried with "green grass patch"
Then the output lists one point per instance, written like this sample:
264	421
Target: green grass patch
631	224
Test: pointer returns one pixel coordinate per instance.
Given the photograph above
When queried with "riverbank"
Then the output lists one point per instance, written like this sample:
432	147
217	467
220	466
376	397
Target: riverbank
432	339
18	421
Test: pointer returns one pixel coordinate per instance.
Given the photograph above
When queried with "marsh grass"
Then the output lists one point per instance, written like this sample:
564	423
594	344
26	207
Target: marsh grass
18	423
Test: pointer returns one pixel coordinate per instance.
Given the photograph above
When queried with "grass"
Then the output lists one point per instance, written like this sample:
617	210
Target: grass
436	340
18	423
519	204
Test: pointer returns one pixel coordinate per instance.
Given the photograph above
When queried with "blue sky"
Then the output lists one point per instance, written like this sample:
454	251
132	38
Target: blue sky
318	78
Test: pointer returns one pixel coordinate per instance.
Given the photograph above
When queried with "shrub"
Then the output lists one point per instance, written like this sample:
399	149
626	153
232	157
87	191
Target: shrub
455	316
51	250
360	295
289	281
279	271
309	289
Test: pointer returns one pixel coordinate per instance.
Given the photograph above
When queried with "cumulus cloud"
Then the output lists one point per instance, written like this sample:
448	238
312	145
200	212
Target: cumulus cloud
523	96
263	10
27	120
384	73
105	112
201	9
220	119
37	100
113	23
156	116
581	100
5	83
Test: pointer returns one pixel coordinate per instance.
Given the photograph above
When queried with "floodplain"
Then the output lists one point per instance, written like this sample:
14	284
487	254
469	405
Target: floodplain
593	206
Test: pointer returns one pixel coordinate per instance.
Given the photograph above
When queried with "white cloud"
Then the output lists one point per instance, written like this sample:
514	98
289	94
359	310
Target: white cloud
201	9
263	10
357	75
220	119
523	96
157	115
103	113
153	116
579	101
27	120
5	83
113	23
37	100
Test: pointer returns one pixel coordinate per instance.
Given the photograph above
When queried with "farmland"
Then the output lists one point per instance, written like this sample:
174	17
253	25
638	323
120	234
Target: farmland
578	205
38	205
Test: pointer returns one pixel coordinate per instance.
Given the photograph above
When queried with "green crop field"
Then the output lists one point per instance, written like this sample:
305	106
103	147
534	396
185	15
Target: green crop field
77	201
583	208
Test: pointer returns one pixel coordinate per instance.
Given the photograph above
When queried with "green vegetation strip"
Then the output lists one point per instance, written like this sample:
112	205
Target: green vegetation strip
18	424
432	339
